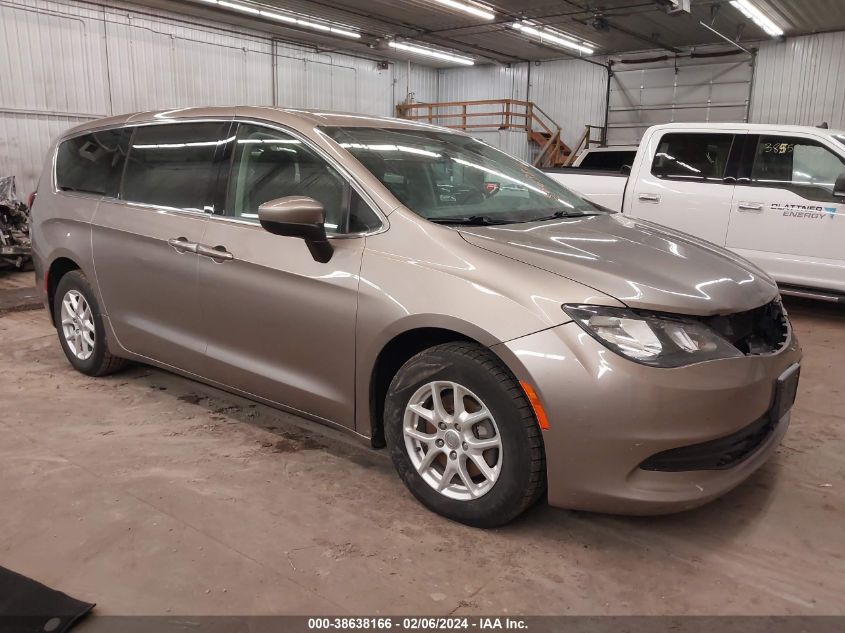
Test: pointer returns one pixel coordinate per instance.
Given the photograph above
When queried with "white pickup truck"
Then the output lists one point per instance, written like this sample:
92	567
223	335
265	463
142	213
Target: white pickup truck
773	194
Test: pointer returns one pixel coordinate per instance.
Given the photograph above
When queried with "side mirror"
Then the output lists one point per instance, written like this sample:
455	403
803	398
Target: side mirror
298	216
839	187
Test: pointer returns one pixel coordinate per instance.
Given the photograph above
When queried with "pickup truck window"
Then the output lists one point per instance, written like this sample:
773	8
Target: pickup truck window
608	161
800	165
692	156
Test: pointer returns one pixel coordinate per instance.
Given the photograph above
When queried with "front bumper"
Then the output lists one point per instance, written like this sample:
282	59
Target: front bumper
608	415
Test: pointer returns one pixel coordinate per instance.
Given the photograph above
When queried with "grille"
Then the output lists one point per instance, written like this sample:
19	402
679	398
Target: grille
762	330
724	452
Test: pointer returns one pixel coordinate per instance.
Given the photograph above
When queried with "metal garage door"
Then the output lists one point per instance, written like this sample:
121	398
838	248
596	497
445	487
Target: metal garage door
677	90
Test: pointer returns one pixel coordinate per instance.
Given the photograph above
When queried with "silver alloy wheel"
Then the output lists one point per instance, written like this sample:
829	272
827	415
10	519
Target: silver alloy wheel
452	440
78	324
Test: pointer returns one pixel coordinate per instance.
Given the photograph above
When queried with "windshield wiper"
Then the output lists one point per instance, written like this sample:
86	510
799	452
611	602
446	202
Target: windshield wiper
473	220
565	214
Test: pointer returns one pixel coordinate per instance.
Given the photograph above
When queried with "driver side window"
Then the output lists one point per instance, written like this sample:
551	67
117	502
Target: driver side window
270	164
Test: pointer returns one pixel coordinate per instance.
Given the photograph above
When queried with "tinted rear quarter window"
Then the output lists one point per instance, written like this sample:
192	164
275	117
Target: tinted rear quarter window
172	165
608	161
92	163
700	157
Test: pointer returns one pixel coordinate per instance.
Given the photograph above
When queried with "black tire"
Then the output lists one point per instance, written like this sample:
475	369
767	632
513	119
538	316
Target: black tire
101	362
522	480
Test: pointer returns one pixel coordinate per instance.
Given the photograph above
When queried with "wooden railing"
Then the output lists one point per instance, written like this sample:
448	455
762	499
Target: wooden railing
495	114
501	114
586	141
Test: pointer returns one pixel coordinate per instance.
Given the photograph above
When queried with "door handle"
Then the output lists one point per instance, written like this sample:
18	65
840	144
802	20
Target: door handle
217	253
183	245
750	206
649	197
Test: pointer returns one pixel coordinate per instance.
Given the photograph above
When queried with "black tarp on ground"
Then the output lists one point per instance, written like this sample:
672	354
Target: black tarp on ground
27	606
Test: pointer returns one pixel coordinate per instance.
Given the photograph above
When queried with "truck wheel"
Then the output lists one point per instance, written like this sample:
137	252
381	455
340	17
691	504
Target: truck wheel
78	320
463	436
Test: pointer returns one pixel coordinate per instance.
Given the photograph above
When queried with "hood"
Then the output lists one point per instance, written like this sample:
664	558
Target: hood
644	265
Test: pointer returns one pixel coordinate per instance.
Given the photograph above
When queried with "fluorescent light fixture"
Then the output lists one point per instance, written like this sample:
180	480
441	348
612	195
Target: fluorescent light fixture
430	52
308	24
545	35
238	7
278	16
755	15
473	8
289	18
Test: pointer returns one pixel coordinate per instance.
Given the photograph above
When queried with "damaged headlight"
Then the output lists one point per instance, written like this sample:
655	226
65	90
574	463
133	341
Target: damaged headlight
652	338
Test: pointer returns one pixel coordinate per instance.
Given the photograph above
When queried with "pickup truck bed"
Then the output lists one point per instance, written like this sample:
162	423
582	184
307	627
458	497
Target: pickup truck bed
602	187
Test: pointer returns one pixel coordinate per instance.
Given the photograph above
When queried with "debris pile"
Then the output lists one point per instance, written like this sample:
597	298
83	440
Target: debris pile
14	226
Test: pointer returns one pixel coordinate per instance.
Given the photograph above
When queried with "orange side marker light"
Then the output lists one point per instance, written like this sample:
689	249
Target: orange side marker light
534	399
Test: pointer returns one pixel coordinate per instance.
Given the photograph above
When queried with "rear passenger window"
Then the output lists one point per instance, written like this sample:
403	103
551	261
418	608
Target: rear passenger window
172	165
608	161
92	163
800	165
700	157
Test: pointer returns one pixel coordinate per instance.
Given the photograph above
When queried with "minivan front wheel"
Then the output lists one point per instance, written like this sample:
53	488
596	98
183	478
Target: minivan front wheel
452	440
79	322
463	436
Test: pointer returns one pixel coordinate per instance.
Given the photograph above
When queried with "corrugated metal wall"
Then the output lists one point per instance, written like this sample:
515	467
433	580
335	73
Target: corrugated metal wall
155	63
487	82
801	81
483	82
64	62
798	82
572	93
421	85
51	73
308	79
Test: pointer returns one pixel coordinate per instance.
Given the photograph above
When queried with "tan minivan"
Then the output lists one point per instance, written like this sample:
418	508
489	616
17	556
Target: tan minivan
416	287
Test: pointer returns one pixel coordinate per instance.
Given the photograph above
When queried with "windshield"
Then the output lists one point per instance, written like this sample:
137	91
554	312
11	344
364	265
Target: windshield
452	178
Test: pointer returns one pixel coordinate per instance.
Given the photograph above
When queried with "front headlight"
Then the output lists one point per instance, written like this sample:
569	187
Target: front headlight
652	338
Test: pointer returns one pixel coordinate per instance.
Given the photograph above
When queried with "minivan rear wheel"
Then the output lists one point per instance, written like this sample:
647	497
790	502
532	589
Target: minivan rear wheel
79	323
463	436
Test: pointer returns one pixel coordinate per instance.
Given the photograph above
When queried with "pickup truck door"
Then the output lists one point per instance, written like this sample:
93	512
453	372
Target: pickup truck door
686	181
785	216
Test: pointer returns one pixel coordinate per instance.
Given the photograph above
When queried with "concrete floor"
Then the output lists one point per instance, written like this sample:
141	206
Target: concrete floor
150	494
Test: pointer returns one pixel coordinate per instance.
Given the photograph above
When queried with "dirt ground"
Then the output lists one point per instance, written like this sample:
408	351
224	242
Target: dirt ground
150	494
